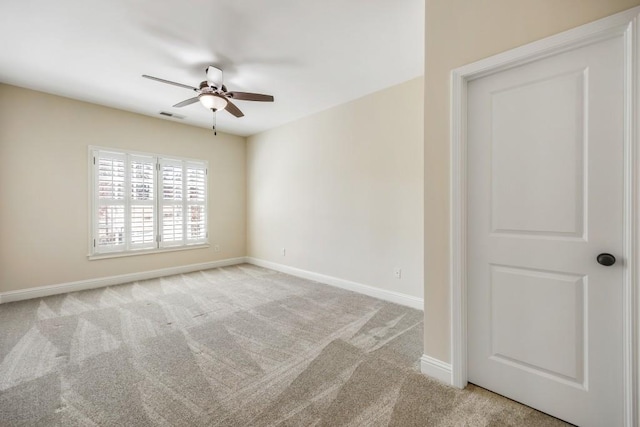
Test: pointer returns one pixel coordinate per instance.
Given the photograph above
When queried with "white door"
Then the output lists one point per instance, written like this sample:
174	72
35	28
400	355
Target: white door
545	198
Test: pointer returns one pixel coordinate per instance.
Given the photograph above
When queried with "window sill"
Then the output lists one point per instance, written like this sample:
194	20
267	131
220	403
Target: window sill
147	251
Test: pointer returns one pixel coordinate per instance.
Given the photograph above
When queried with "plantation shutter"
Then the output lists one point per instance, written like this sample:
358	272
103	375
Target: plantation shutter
141	207
196	199
109	202
172	185
143	202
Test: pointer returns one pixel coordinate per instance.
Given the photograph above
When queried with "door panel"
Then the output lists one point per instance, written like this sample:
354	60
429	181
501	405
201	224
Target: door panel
539	169
549	342
545	197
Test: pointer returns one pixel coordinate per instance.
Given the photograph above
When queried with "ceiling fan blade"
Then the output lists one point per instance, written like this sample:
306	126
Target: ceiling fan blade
187	102
214	76
169	82
231	107
246	96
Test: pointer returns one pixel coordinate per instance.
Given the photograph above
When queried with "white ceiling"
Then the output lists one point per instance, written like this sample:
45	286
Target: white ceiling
309	54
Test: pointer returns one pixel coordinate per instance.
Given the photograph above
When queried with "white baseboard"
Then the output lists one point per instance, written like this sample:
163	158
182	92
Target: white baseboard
436	369
395	297
81	285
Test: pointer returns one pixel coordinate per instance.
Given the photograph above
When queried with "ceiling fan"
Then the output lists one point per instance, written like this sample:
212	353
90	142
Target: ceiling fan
213	94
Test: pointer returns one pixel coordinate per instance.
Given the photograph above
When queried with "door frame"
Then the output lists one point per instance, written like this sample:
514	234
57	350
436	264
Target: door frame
626	24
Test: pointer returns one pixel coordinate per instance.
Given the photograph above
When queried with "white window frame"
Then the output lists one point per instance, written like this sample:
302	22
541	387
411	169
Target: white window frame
128	248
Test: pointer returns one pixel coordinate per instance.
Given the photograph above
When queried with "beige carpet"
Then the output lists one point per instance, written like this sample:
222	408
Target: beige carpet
236	346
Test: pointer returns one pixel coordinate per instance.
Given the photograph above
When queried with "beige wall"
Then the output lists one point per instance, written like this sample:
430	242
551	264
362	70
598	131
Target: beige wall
458	32
342	191
44	194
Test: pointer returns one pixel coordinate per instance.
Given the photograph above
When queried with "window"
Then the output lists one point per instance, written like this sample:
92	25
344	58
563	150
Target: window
145	202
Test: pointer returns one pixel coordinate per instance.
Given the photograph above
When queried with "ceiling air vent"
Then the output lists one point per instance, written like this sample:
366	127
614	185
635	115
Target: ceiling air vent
175	116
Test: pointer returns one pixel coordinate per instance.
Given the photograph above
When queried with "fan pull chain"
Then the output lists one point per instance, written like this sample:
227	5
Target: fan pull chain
215	132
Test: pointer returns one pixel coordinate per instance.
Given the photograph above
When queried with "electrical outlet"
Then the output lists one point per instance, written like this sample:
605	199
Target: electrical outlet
284	252
397	272
216	248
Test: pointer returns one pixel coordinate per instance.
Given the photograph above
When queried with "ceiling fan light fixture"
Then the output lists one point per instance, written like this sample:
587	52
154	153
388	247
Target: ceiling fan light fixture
212	101
213	94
